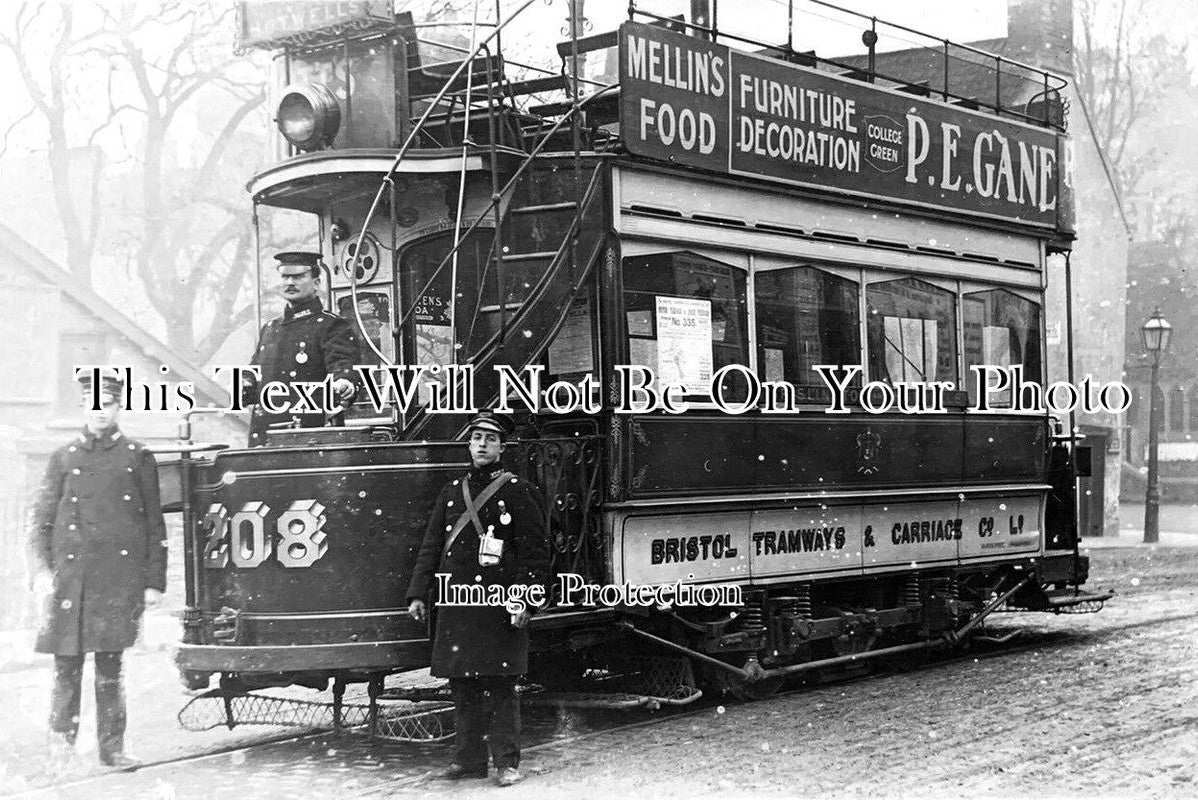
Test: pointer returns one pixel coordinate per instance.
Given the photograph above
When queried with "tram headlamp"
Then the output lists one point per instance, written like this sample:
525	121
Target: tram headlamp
309	116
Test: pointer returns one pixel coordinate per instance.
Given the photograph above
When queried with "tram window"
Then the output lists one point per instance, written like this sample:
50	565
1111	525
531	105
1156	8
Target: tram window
805	317
476	317
686	318
912	329
1193	409
571	354
1002	329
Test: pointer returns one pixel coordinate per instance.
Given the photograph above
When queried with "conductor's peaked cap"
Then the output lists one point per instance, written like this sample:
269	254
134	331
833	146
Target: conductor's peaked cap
495	423
298	258
111	381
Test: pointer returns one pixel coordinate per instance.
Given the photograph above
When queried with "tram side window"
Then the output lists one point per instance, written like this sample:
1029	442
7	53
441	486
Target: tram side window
912	330
805	317
686	317
1001	329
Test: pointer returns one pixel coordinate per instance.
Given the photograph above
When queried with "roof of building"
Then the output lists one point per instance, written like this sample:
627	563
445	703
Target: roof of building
17	250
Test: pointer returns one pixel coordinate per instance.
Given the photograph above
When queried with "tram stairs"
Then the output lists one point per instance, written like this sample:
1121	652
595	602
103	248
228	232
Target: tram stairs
548	242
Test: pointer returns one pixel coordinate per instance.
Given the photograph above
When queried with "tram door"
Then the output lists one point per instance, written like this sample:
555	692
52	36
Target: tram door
1091	494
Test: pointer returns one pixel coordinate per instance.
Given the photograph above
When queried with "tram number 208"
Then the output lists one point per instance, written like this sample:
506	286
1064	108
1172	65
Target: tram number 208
298	539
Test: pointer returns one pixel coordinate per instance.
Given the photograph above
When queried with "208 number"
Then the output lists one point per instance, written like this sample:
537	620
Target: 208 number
299	539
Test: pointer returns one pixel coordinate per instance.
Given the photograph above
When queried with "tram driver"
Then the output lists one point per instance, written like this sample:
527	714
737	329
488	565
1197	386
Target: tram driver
487	528
306	344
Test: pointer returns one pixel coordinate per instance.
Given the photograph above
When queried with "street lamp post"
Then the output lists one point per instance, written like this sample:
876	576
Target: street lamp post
1157	331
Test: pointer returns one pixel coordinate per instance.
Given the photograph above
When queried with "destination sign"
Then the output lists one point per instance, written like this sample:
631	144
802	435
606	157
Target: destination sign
269	24
824	538
705	105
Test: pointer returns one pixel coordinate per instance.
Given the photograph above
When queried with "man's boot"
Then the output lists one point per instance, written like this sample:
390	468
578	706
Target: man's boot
507	776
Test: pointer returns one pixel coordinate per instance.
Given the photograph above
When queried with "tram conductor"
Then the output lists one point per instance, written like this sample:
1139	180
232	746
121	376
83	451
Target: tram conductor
482	650
306	344
98	547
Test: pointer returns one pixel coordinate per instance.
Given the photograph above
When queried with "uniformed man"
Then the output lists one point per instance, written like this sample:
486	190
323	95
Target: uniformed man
99	553
306	344
482	649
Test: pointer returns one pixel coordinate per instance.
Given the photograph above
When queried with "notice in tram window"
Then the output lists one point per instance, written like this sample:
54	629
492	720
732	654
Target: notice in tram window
570	352
996	350
684	343
774	364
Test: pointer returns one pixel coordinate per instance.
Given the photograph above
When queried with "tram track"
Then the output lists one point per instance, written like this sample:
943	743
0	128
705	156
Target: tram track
608	722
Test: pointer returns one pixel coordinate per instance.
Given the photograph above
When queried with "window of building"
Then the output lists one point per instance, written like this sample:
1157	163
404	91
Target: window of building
912	330
686	317
1002	329
1177	409
804	316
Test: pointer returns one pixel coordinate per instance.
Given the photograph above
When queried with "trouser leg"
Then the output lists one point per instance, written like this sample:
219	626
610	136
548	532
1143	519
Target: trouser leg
64	698
110	704
505	721
470	714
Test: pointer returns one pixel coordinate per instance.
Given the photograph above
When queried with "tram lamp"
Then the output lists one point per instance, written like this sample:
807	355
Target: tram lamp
1157	331
309	116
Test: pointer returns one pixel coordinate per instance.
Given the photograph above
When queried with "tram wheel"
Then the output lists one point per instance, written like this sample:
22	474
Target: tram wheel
723	683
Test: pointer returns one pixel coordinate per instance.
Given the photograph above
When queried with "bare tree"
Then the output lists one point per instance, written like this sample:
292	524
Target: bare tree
1124	74
164	65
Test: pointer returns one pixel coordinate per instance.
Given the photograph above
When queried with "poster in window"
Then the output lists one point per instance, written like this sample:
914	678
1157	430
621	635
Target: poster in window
684	343
570	352
910	348
374	308
996	351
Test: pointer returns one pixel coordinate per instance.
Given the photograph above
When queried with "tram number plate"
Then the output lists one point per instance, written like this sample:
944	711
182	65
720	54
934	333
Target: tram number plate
241	539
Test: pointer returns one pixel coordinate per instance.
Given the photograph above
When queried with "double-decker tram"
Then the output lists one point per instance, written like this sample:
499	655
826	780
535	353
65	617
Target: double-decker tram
820	235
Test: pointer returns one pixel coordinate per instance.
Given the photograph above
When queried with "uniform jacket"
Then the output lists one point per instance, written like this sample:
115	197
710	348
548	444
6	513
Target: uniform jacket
475	641
97	527
307	343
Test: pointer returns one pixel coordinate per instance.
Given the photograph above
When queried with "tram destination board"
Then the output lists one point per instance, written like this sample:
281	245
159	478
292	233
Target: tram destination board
701	104
302	22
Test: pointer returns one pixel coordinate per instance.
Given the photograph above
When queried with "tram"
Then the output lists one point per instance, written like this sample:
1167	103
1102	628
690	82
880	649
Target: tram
709	205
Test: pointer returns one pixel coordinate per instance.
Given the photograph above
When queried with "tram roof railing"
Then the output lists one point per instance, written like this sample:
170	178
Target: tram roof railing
897	56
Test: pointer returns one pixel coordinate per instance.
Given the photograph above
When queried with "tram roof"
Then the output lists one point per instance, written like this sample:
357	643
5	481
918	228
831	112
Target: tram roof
313	181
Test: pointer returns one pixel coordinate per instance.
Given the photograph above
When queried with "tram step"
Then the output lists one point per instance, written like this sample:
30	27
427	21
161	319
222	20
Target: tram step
543	208
1065	598
550	83
602	109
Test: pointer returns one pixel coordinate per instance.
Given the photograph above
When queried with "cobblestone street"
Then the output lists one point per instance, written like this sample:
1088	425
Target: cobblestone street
1092	705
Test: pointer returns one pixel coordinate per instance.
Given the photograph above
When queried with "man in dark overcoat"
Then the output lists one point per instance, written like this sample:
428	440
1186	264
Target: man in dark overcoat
307	343
99	554
481	649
